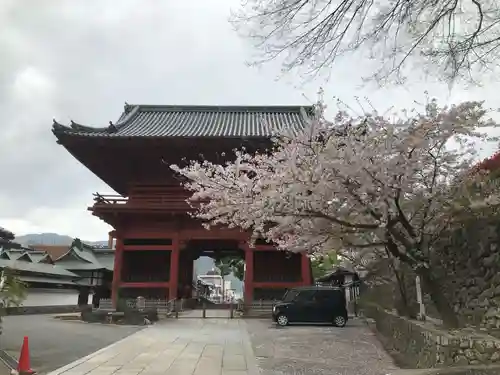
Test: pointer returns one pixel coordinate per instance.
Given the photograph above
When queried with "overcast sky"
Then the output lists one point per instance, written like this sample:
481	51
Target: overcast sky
81	60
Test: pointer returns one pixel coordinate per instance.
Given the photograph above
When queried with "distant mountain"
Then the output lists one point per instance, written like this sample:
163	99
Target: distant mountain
51	239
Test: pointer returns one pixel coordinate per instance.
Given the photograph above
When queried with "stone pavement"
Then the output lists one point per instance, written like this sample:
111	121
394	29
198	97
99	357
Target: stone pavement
210	313
318	350
175	347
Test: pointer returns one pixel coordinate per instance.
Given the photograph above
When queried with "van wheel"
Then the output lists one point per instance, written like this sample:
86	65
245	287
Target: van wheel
339	321
282	320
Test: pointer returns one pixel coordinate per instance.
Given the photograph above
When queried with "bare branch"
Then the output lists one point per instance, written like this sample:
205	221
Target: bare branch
456	39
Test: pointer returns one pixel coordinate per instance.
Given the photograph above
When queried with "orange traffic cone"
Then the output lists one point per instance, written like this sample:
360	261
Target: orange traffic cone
24	366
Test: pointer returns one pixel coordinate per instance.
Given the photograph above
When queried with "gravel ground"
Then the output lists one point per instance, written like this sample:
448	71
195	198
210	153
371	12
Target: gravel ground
318	350
55	343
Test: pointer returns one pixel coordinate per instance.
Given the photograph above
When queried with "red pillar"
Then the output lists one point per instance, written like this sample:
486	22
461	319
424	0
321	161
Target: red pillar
249	266
306	269
174	270
117	271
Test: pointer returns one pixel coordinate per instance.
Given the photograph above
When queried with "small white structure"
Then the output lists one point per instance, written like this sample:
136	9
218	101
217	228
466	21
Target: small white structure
218	293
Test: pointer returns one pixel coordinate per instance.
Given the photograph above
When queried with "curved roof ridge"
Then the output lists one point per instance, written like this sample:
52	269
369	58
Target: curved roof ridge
72	250
25	254
127	115
213	108
76	127
45	257
112	128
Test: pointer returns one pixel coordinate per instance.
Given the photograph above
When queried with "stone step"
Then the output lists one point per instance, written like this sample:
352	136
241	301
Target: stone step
68	316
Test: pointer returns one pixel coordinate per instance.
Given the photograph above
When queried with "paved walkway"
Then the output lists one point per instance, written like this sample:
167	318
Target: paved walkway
209	313
176	347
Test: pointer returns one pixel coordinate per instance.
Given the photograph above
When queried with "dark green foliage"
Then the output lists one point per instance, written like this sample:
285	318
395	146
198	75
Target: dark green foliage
234	265
323	264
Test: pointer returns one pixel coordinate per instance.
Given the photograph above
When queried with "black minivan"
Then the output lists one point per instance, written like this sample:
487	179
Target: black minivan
312	304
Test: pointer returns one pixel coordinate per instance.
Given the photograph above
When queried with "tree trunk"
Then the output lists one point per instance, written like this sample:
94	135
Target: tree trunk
404	306
223	290
443	306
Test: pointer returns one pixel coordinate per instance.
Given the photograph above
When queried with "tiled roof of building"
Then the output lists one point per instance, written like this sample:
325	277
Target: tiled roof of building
32	263
55	251
81	256
47	280
26	254
197	121
41	268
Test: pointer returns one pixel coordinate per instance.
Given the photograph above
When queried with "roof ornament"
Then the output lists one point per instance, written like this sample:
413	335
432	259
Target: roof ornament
127	107
57	126
111	128
81	128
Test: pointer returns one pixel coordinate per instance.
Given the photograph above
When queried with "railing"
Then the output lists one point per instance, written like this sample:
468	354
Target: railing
277	278
109	199
163	307
149	201
161	278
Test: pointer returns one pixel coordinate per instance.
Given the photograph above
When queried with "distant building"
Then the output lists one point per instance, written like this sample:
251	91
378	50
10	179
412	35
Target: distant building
55	251
93	265
59	281
344	277
215	281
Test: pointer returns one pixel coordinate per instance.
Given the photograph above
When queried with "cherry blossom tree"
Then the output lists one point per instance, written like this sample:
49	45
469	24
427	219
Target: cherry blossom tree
360	184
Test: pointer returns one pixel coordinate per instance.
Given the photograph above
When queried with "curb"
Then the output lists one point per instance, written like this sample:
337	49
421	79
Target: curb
252	367
8	360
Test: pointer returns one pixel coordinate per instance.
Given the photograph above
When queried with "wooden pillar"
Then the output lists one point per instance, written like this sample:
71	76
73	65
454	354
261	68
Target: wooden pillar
174	269
249	273
306	269
190	265
117	271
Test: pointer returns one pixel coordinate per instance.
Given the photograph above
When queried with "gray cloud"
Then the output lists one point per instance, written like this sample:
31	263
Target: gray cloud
83	60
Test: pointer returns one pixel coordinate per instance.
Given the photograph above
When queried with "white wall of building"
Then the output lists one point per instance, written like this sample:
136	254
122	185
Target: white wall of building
211	279
51	297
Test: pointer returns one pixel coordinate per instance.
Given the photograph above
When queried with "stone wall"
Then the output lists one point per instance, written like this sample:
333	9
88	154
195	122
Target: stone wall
31	310
423	345
466	370
467	263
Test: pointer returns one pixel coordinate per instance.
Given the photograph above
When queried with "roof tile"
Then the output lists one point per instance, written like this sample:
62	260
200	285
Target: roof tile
198	121
55	251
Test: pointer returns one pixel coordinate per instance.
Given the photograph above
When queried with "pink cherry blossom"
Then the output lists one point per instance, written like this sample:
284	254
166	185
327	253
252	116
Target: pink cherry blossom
354	184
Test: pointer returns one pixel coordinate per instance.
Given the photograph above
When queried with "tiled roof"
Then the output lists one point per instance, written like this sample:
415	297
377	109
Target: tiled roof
74	265
197	121
47	269
107	260
26	254
81	256
55	251
46	280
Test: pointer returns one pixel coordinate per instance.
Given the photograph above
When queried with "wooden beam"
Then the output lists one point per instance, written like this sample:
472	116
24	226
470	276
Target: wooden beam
148	247
174	270
274	284
164	285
